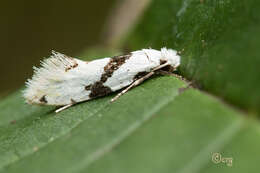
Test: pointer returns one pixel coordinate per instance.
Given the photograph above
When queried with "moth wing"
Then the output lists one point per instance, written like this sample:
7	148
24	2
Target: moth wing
59	81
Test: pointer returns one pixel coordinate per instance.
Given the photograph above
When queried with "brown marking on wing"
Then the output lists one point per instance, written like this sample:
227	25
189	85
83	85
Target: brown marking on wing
71	67
88	87
43	99
113	65
98	89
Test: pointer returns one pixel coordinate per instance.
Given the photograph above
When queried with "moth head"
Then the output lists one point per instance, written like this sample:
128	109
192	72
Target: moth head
171	57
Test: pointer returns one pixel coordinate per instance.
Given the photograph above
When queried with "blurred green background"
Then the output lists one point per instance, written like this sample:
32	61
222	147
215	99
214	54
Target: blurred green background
31	29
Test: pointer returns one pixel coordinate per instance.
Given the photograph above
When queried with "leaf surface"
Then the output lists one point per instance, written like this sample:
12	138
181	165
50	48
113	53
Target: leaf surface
218	41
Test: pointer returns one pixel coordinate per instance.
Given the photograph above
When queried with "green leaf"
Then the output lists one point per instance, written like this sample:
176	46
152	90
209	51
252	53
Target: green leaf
86	129
156	126
219	41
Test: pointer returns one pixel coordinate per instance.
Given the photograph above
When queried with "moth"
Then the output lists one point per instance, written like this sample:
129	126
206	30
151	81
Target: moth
64	81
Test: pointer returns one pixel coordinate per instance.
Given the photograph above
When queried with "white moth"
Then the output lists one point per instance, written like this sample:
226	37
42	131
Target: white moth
64	81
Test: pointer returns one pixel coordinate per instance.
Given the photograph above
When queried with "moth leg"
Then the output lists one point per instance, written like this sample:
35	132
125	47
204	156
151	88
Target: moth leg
163	72
135	83
138	81
63	108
